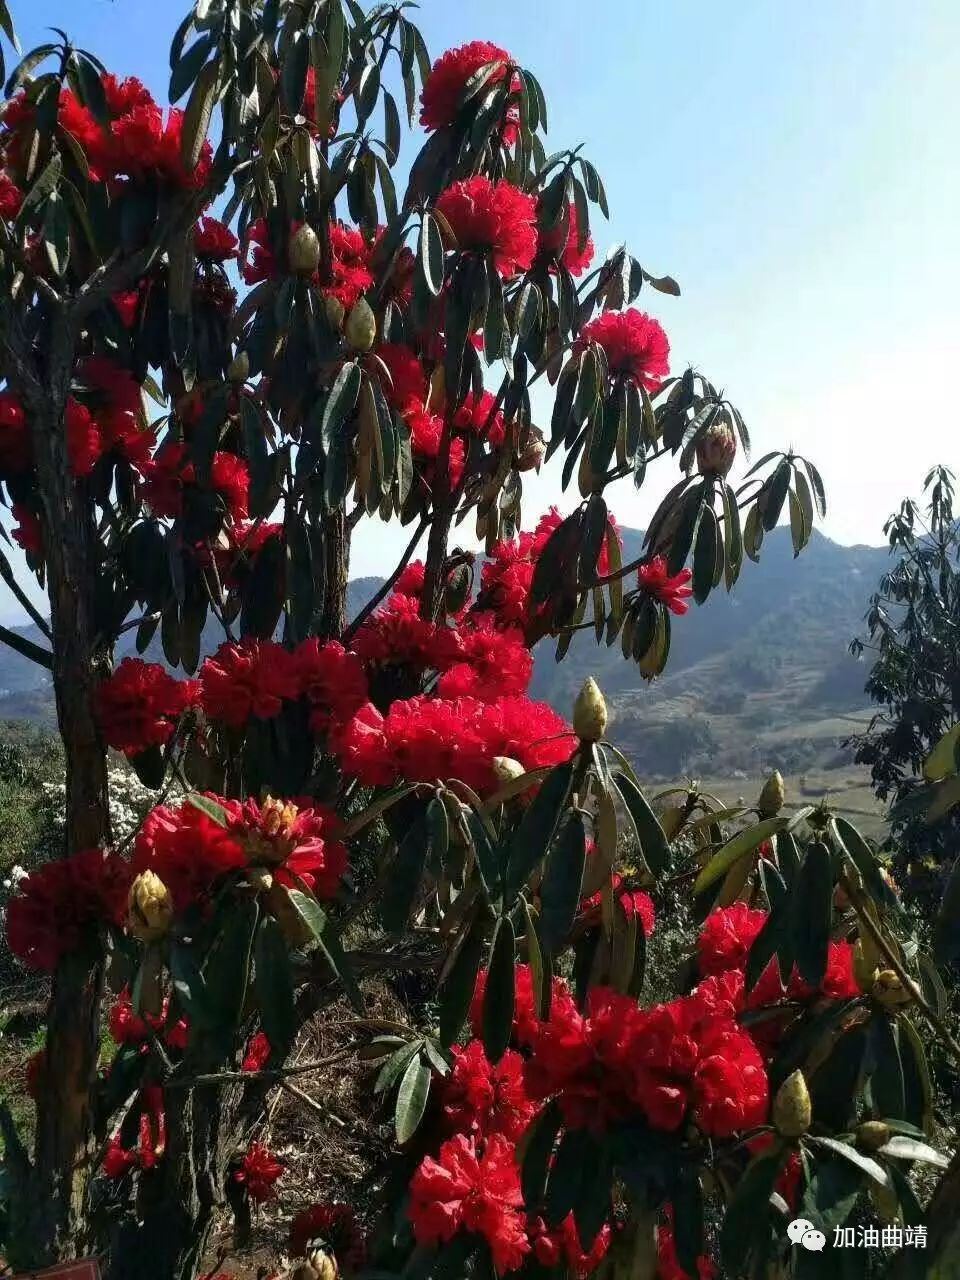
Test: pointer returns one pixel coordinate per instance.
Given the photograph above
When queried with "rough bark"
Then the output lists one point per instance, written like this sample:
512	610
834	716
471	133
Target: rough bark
332	614
64	1138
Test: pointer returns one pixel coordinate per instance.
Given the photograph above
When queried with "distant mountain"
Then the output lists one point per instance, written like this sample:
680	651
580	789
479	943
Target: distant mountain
765	670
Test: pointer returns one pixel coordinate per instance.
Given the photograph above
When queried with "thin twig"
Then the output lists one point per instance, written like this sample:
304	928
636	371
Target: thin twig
312	1103
387	587
267	1076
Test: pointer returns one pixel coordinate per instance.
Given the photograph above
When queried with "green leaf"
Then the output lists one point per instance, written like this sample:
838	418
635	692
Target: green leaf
412	1099
227	974
461	982
539	1142
24	69
775	496
188	66
875	1172
560	892
865	861
392	1069
686	530
901	1147
687	1199
531	839
500	994
215	812
566	1175
942	761
341	402
431	253
813	913
405	876
705	555
273	982
737	847
819	492
654	845
886	1080
42	188
196	118
746	1223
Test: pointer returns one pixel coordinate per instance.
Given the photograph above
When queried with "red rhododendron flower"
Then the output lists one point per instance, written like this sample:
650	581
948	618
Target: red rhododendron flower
127	305
396	634
251	678
187	850
559	1248
138	706
215	242
492	217
730	1088
552	244
142	144
16	447
333	682
258	1172
478	416
333	1226
444	87
726	937
116	1161
480	1098
464	1190
408	382
110	384
296	843
257	1053
11	197
29	532
122	437
128	1028
635	345
259	259
492	664
123	95
674	592
61	903
171	472
350	264
84	445
426	436
422	739
634	902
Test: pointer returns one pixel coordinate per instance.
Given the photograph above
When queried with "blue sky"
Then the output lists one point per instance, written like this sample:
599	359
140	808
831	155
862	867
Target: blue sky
793	166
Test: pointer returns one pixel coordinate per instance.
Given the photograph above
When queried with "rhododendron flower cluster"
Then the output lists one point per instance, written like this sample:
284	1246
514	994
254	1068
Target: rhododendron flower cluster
672	591
444	87
424	739
258	1173
492	217
468	1189
170	475
634	344
138	706
129	1028
552	244
351	274
152	1137
482	1098
61	903
560	1247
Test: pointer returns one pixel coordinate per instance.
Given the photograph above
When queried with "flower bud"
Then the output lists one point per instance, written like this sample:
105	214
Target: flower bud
792	1109
772	796
505	768
872	1135
889	991
335	312
590	712
149	907
304	251
533	452
324	1264
361	326
716	450
239	368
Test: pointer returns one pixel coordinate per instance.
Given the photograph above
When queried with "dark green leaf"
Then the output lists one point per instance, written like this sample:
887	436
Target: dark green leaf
531	839
886	1081
875	1172
273	981
341	402
189	65
560	893
457	991
566	1175
412	1099
654	845
215	812
431	253
812	913
775	495
405	877
705	555
499	995
946	932
540	1141
746	1223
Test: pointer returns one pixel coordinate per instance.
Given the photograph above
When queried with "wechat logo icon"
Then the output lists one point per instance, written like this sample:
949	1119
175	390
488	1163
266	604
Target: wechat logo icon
806	1235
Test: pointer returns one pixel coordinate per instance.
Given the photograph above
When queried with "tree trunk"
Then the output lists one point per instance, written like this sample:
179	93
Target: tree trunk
63	1138
332	614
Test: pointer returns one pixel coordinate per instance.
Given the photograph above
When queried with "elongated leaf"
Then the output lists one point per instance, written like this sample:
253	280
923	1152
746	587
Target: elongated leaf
412	1099
746	1222
654	845
340	403
812	913
273	981
886	1081
393	1068
539	1141
531	840
215	812
431	253
901	1147
500	992
946	932
461	982
560	894
405	877
865	861
874	1171
739	846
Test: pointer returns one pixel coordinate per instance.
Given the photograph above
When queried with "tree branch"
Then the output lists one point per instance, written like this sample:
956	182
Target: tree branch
7	574
26	648
387	587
